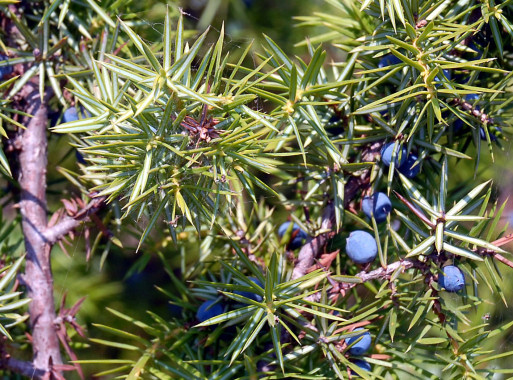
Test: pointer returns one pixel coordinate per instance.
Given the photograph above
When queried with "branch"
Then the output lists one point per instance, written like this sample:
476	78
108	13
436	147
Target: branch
311	250
388	271
466	106
383	273
38	274
502	259
21	367
69	223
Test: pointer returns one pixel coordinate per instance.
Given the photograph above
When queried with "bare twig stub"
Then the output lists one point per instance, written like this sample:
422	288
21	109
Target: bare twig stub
69	223
38	276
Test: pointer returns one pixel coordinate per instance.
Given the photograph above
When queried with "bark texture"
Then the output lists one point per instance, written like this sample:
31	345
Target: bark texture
38	276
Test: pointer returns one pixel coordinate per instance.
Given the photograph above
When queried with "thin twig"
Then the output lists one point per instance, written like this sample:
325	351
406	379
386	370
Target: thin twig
388	271
24	368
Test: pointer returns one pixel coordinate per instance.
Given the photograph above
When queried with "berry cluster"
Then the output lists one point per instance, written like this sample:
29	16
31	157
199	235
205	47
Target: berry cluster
361	246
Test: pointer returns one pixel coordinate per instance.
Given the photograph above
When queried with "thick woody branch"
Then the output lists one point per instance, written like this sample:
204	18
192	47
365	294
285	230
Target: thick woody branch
38	276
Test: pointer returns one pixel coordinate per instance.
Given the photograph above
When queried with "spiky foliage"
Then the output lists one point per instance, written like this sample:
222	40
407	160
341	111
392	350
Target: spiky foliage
173	138
12	301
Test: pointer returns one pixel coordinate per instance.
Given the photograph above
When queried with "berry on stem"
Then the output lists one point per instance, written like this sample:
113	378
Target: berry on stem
297	234
4	70
387	153
361	247
362	345
363	364
388	60
251	295
451	278
411	168
379	205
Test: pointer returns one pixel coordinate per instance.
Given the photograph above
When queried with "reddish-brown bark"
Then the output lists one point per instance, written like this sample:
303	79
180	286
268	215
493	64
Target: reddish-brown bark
38	275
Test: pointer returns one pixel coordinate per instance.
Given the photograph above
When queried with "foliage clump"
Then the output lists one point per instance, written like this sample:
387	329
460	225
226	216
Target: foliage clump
385	264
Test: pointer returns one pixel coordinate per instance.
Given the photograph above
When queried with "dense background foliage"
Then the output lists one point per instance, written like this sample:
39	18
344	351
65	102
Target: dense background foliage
299	109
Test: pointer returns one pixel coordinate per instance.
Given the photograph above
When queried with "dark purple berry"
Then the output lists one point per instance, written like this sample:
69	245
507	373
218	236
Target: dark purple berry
471	97
5	70
387	152
451	278
378	205
362	345
388	60
297	234
70	115
411	168
458	125
254	296
174	310
493	137
363	364
334	126
209	309
447	75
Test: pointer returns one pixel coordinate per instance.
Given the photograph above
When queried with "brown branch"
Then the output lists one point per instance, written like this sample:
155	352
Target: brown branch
415	210
313	247
466	106
503	240
380	273
24	368
38	275
388	271
503	260
383	273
